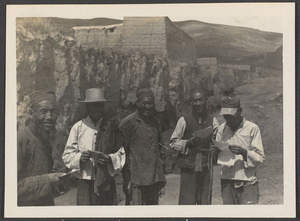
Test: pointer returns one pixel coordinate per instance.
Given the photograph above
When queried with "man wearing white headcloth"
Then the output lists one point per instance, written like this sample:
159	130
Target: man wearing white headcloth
239	183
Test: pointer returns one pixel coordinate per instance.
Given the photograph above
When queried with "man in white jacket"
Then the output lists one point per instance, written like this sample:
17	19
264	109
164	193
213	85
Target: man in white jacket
96	184
238	181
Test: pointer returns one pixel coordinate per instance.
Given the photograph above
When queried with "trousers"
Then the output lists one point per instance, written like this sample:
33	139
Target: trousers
242	195
195	187
145	195
86	195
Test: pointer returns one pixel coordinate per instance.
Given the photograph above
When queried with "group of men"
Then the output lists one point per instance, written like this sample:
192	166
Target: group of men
98	148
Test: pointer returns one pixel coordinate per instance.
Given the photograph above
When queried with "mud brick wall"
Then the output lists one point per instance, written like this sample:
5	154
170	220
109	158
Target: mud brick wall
146	34
99	36
180	46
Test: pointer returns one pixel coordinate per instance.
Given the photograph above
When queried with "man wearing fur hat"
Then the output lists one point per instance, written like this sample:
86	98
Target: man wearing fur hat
238	181
143	173
35	177
96	184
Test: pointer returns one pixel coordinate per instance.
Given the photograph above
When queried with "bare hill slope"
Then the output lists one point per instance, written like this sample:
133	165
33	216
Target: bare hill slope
231	44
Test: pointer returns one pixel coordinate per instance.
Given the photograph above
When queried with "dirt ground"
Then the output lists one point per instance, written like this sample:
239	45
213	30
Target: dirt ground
262	104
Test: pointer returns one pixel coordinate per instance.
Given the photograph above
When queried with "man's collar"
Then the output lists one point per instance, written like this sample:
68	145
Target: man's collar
202	115
98	123
38	133
240	125
140	119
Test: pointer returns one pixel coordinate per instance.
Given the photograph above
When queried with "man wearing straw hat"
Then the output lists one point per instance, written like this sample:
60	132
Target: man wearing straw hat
242	138
94	134
36	181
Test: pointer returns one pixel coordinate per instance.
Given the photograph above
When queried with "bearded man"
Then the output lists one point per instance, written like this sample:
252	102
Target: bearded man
35	163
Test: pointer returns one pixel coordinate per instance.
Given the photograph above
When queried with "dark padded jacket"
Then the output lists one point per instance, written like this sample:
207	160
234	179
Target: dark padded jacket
34	162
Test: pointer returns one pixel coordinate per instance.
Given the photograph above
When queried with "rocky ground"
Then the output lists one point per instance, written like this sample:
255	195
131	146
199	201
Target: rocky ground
262	104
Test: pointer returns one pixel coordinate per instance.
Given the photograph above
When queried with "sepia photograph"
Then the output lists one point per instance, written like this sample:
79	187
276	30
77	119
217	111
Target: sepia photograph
169	110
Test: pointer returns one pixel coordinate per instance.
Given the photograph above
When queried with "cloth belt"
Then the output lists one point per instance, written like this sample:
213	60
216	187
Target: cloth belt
198	161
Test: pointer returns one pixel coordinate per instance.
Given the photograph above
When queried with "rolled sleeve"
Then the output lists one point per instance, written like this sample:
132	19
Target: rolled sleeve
125	129
118	161
176	141
255	156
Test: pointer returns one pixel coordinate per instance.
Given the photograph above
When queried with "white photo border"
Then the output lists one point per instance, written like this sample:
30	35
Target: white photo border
284	9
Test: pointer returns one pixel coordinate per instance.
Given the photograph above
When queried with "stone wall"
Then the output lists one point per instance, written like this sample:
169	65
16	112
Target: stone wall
234	75
208	66
207	61
267	72
236	67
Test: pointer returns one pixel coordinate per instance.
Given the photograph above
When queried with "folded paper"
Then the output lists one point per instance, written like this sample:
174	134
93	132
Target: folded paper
225	157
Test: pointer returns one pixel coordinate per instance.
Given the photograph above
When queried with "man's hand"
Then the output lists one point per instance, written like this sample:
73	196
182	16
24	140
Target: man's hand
238	150
193	142
104	159
85	156
54	177
58	184
127	188
215	150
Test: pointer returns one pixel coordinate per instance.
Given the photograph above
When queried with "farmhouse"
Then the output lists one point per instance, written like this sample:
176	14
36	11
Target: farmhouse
152	35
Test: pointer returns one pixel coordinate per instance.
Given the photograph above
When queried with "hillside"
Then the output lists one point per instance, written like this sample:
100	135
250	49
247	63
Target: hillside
231	44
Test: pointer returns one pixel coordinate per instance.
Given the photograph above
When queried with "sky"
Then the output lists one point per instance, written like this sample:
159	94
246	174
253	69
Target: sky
262	16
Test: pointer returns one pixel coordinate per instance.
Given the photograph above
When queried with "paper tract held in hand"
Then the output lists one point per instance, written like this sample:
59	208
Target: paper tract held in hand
65	176
97	155
205	135
226	157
